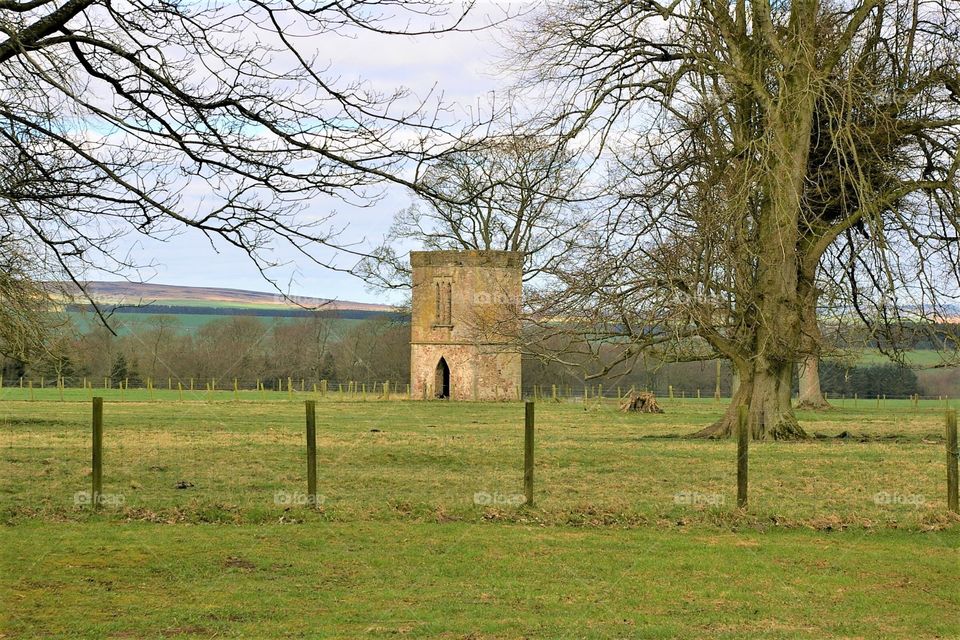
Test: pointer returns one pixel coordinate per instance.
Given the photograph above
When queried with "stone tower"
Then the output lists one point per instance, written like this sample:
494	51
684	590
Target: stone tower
465	324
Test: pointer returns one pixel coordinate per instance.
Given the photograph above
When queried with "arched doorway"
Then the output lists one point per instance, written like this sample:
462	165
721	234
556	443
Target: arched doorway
441	384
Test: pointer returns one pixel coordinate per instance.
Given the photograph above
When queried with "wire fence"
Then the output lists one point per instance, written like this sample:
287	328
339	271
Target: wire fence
244	388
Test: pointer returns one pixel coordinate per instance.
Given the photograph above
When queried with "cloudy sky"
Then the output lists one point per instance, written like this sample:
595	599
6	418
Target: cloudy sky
461	65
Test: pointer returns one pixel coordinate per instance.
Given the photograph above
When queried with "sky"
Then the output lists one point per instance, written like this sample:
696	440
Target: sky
461	65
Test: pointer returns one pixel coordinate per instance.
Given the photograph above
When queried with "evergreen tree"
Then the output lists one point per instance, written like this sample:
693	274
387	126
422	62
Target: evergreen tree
118	371
328	367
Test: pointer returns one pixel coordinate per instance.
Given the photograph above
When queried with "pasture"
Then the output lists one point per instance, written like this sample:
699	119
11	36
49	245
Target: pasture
419	532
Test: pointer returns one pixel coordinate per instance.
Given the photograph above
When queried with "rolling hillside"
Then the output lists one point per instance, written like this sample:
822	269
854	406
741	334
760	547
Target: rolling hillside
138	294
130	304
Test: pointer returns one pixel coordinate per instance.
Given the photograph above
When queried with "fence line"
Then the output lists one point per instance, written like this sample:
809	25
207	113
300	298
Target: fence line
370	390
742	435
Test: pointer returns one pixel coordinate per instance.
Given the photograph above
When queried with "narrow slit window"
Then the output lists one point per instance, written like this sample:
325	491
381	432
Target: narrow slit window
444	302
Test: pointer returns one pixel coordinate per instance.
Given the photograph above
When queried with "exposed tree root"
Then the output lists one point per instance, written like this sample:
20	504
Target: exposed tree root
785	428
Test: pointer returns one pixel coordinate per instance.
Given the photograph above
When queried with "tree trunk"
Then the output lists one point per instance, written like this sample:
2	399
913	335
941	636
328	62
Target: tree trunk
771	413
811	344
811	396
766	390
771	305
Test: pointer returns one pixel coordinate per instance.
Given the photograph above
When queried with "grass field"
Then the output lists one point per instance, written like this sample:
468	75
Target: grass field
127	323
916	358
634	532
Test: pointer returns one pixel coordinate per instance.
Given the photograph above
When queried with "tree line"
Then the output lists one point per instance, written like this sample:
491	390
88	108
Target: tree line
324	347
244	347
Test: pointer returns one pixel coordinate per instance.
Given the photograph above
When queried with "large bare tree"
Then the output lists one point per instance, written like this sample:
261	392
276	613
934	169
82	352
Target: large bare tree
508	192
710	113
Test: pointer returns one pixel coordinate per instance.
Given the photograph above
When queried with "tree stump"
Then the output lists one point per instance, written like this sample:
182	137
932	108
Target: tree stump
643	401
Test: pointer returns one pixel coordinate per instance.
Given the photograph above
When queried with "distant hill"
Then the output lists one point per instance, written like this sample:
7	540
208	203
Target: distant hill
130	305
130	295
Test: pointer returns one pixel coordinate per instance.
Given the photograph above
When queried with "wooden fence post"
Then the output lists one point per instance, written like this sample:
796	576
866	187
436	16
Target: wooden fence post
311	406
952	457
96	461
528	453
743	439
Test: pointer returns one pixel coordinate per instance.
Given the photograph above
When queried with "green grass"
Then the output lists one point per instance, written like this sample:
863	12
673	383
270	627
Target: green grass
220	304
612	548
126	323
457	580
917	358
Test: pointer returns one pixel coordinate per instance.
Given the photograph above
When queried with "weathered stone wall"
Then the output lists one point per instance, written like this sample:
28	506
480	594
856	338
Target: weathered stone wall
466	311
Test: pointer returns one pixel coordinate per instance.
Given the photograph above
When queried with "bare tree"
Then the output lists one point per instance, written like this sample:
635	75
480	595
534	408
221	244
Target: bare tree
511	192
24	305
706	111
115	112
